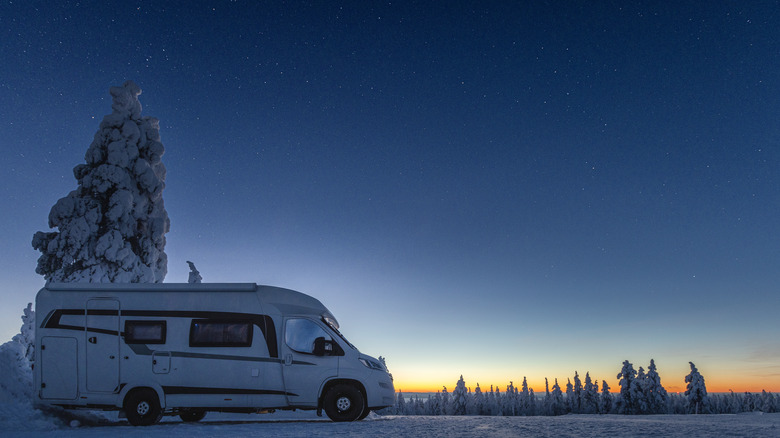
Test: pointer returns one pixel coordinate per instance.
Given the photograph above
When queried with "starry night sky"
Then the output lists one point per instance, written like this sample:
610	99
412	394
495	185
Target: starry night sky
493	189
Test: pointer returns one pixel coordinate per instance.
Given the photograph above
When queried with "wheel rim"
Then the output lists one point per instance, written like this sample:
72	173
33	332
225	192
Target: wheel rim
343	404
142	408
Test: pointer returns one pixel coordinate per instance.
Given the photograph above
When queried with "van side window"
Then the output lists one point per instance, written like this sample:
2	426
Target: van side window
220	333
145	332
300	334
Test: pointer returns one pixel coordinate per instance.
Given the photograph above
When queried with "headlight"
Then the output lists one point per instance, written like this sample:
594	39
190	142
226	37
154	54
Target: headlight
371	364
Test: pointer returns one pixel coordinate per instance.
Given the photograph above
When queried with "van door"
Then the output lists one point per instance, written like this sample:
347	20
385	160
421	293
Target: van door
304	372
59	367
102	332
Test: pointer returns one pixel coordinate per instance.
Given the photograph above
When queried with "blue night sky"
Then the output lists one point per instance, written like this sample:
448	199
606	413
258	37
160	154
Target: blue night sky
493	189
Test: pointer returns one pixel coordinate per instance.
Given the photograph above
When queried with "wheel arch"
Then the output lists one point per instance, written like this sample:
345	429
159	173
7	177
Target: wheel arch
331	383
127	389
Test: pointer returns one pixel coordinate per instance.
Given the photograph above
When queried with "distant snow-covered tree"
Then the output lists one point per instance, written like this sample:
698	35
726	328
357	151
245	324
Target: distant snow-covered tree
526	399
112	227
436	405
576	405
606	400
400	404
590	396
489	404
479	402
638	396
625	403
446	404
417	405
769	404
696	392
194	276
557	404
459	395
499	406
655	393
547	398
569	396
749	403
510	400
26	336
16	357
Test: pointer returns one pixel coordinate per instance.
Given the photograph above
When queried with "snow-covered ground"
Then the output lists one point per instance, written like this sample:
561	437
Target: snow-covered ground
307	424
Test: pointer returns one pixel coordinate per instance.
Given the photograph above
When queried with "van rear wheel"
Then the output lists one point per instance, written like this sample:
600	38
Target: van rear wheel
192	416
142	407
344	403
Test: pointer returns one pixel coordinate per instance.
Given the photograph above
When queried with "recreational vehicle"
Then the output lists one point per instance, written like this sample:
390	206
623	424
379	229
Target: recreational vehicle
186	349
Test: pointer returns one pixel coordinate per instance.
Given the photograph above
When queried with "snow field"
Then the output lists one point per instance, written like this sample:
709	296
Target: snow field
306	424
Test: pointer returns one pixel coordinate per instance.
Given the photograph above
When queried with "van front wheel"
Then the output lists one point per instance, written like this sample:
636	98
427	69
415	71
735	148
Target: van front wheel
343	403
142	407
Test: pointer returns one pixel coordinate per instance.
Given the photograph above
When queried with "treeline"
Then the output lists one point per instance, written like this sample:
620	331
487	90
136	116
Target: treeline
641	393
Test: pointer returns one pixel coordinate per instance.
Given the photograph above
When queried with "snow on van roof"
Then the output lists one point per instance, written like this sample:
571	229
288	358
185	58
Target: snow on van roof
288	301
171	287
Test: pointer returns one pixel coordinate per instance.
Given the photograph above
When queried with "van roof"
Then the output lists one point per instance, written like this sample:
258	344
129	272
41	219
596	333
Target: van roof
287	301
170	287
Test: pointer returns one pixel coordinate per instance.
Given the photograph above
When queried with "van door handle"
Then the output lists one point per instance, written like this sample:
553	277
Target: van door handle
92	340
288	359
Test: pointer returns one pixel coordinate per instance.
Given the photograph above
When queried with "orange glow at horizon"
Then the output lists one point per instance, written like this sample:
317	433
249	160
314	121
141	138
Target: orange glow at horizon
736	384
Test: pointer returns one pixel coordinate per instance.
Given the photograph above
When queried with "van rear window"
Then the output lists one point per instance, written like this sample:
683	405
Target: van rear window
145	332
220	333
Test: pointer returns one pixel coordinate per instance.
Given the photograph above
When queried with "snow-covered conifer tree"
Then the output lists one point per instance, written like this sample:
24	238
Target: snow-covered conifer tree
490	402
459	395
412	405
426	406
590	396
479	401
446	404
768	404
576	405
525	399
749	403
417	405
557	404
436	404
731	404
655	393
510	400
194	276
696	392
26	336
625	403
400	403
605	403
16	358
638	393
499	402
569	396
547	398
112	227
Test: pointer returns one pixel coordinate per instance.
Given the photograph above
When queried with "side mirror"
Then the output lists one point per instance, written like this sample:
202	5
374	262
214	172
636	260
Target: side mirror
323	347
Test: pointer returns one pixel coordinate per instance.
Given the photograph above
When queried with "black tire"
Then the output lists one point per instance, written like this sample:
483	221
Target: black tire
344	403
364	414
142	407
192	416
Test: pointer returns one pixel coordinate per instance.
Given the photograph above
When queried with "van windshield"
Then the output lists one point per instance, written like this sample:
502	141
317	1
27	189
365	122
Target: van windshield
335	330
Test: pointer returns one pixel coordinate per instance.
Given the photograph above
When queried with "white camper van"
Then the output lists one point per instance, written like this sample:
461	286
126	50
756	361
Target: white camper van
186	349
